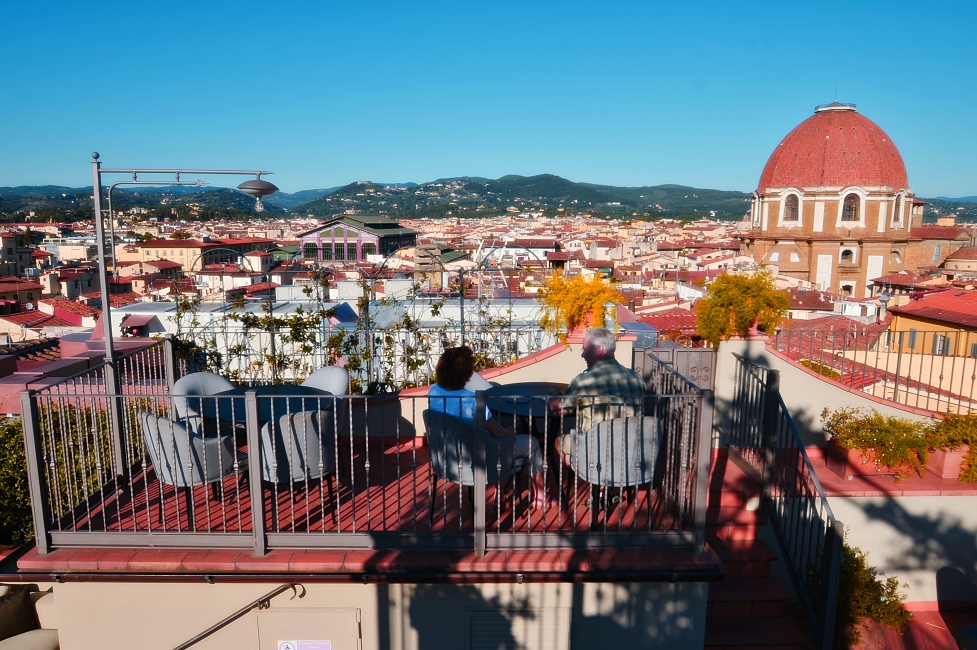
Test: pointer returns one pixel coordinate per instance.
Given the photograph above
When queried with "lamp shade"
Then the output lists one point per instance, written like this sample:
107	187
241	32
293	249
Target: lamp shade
257	188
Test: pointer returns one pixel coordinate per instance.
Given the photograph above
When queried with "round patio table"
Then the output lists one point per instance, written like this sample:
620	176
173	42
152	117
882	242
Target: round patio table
525	399
274	401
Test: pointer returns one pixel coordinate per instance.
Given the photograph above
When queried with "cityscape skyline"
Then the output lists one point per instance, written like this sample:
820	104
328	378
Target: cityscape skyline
627	95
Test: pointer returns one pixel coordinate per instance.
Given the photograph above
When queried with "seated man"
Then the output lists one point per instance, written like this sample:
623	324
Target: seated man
624	389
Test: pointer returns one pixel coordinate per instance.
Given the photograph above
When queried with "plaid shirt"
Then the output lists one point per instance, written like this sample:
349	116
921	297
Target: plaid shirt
623	387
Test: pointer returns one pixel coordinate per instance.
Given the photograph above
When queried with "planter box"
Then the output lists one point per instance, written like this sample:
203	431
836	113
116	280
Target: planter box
946	464
847	463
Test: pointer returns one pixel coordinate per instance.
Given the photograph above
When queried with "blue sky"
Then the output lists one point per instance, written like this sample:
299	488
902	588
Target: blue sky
325	93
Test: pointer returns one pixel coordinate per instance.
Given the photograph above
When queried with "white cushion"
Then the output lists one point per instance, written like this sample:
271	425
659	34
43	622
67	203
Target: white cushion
33	640
44	607
477	382
4	590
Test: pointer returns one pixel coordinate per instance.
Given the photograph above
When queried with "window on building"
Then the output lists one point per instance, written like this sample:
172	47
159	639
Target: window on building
340	252
847	256
774	257
310	251
941	344
791	208
327	252
351	252
849	211
973	350
897	215
794	257
369	249
912	339
847	289
937	253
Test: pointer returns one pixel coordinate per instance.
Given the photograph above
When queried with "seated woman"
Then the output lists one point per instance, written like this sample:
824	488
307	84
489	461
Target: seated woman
454	369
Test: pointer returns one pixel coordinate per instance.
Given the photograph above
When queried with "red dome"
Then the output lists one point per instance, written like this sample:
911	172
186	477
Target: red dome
835	146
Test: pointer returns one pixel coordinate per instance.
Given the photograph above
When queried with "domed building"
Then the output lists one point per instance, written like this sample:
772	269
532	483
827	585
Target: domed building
834	205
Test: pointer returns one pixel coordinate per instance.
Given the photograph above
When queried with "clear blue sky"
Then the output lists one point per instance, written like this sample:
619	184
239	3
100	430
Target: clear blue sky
624	93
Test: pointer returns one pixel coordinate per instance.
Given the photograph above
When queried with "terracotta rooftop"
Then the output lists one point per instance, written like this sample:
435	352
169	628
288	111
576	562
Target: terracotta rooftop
72	307
810	299
963	254
953	307
937	232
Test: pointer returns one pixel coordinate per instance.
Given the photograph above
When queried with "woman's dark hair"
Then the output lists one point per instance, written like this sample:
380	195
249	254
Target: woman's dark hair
455	368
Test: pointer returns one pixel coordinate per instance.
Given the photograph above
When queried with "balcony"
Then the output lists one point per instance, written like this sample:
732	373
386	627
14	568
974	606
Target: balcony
107	471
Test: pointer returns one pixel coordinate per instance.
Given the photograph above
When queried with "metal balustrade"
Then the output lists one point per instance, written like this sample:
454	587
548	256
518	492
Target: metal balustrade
764	441
930	370
284	467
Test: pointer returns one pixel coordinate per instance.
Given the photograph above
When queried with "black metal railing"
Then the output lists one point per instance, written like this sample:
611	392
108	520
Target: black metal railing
765	442
285	466
931	370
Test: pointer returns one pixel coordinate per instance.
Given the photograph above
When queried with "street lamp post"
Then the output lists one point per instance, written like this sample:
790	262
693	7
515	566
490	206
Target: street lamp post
256	188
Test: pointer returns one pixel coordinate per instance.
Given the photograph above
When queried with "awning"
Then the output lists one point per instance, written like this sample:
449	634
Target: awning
137	320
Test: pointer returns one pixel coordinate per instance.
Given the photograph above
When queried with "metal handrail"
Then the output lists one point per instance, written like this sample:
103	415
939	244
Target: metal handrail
822	495
765	457
262	602
99	366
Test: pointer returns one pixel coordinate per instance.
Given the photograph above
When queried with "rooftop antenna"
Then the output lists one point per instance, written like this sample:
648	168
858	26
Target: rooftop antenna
836	90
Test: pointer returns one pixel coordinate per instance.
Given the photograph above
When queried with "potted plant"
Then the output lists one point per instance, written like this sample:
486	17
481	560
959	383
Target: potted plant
867	442
952	453
740	305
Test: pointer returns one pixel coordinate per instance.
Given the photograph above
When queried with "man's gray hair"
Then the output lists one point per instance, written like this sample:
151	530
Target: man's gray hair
603	337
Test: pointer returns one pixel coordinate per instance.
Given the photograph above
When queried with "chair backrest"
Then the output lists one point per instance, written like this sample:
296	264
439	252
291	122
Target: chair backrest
298	446
332	379
476	382
618	452
182	457
451	447
195	384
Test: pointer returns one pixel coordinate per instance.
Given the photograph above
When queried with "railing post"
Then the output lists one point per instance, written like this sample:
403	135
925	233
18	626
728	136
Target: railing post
479	473
35	470
830	576
254	473
703	460
895	392
169	360
112	387
771	391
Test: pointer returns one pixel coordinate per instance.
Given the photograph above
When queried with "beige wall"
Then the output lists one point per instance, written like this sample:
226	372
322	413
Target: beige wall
97	615
926	542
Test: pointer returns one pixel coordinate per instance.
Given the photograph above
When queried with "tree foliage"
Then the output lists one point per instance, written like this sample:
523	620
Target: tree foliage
569	302
734	303
15	507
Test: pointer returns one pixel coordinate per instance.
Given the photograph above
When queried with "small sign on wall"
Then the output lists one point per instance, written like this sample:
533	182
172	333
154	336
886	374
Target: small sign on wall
305	645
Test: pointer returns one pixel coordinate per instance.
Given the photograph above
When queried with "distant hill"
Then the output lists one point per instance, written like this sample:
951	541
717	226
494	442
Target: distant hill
288	201
964	209
56	203
473	197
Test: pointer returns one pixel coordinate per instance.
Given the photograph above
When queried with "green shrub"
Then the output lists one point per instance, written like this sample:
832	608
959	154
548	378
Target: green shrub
897	443
16	524
861	594
820	368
